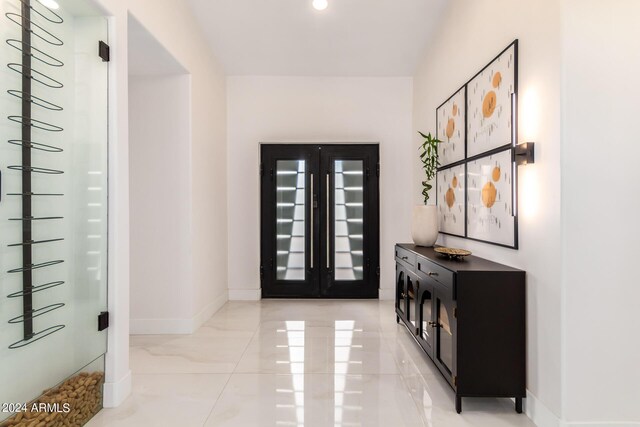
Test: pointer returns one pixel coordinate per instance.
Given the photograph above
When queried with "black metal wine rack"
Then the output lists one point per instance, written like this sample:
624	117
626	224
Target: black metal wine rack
32	58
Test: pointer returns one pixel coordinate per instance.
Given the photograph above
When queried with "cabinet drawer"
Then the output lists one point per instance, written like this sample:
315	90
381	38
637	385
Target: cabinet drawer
434	271
406	256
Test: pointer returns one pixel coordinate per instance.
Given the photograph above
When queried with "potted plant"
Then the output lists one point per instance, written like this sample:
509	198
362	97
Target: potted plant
424	227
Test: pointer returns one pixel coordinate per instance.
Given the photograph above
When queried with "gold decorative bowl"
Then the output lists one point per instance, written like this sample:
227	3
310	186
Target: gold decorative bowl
452	253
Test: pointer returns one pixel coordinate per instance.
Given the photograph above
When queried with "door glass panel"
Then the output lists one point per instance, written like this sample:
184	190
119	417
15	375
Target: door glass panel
445	347
426	315
290	219
348	219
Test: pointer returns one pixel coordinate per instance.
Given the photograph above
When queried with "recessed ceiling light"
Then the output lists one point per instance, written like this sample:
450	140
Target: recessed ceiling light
51	4
320	4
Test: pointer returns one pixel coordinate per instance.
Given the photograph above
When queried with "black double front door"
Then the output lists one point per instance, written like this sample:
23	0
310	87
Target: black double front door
319	221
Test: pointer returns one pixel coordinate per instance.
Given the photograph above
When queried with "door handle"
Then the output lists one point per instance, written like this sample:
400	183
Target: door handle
328	227
313	205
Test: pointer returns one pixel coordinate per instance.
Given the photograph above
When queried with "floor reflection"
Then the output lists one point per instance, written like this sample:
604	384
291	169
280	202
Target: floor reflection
294	397
344	409
295	363
347	388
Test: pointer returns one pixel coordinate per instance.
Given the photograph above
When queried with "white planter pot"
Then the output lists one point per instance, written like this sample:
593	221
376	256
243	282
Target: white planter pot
424	226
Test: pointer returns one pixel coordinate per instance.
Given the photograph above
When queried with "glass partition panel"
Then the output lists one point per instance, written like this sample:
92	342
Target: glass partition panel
348	219
53	206
290	219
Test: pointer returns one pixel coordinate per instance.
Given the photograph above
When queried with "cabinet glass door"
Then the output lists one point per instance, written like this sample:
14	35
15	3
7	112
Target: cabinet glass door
445	320
426	315
401	301
411	300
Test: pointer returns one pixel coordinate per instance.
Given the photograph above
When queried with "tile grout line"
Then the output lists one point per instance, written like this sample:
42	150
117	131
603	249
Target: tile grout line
217	400
246	347
232	373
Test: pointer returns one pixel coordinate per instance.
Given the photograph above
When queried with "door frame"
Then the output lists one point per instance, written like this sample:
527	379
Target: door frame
372	232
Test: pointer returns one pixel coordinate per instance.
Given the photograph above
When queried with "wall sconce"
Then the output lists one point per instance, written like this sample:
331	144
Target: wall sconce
524	153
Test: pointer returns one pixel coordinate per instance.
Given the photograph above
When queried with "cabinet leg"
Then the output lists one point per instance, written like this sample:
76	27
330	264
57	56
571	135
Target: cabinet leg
458	404
397	319
519	405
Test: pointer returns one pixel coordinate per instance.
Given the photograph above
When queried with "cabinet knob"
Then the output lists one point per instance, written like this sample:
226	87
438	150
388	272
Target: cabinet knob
432	273
405	257
434	324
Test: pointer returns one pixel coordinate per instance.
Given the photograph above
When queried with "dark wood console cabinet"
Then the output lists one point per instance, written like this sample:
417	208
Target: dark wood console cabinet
469	317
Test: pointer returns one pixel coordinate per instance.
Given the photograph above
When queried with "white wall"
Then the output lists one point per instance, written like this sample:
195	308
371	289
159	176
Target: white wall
471	34
160	204
315	109
600	174
173	25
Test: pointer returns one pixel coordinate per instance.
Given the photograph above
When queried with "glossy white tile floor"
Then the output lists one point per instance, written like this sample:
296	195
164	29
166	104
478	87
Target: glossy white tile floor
295	363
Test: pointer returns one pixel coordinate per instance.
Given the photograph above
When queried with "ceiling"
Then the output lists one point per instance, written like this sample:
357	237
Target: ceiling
289	37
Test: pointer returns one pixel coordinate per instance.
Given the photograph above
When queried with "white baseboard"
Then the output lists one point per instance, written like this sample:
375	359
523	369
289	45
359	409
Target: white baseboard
176	326
543	417
159	326
209	310
116	393
539	413
386	294
602	424
245	294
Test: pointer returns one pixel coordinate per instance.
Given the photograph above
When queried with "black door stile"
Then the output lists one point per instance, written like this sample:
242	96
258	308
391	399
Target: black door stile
320	277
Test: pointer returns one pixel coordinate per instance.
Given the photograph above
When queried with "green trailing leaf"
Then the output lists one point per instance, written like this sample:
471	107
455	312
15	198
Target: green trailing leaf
429	159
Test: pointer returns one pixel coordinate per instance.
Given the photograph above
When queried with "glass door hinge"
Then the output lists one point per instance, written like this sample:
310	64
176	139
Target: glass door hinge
103	321
104	51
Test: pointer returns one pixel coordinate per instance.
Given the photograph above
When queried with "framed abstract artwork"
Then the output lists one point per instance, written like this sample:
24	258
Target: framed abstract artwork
451	194
476	180
490	199
491	104
450	128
